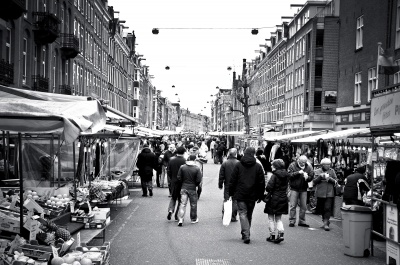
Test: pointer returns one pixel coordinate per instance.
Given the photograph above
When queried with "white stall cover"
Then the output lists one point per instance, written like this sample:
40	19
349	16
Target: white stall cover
333	135
291	136
67	118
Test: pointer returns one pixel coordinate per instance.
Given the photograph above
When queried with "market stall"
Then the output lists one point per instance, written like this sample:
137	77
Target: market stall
37	142
385	180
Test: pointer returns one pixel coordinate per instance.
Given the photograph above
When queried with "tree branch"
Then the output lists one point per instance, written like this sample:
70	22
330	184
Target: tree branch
238	111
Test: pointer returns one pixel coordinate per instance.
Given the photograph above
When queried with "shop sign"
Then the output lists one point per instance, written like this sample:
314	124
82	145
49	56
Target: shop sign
392	249
385	110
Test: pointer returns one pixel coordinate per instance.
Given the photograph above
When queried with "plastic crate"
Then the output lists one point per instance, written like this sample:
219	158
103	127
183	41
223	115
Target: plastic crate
82	219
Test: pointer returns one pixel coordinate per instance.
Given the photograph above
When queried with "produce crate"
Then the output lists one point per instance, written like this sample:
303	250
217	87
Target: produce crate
96	224
53	212
10	222
34	250
104	250
82	218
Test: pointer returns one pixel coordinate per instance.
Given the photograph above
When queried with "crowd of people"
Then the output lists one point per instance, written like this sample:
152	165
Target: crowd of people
247	176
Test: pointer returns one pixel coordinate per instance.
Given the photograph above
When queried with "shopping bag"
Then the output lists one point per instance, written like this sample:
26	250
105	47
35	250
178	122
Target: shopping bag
227	212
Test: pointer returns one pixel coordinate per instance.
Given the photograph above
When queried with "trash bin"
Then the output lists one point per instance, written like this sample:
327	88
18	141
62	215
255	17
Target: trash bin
357	224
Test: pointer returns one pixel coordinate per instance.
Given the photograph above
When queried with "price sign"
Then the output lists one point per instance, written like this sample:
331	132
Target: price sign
78	239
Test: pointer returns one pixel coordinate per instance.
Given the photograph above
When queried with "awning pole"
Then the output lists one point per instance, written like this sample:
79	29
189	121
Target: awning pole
52	161
7	160
4	155
59	161
21	184
74	166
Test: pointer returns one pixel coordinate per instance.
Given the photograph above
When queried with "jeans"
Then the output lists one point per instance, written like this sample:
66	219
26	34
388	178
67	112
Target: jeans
245	209
186	195
295	196
171	207
163	173
146	185
275	223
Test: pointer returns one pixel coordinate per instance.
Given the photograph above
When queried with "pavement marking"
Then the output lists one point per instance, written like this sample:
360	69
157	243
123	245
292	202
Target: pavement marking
123	225
213	262
313	228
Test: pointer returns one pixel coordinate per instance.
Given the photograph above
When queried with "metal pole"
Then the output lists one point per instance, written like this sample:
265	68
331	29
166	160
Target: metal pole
4	155
109	157
372	196
7	158
74	166
59	161
21	184
52	160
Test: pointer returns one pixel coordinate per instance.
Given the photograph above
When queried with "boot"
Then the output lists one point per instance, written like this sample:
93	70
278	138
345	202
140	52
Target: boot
271	238
279	238
326	225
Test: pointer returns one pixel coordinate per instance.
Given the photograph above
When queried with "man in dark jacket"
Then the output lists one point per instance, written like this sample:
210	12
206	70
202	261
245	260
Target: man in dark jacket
173	167
247	186
225	173
167	157
146	162
356	186
190	176
300	173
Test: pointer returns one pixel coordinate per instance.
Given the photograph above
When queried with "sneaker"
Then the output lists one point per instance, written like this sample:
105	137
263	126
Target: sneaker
291	225
246	241
234	220
180	223
151	193
144	195
195	221
169	215
303	225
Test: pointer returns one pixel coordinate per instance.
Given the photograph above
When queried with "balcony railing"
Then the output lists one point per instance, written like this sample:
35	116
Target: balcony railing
40	83
6	73
69	45
12	9
46	27
66	89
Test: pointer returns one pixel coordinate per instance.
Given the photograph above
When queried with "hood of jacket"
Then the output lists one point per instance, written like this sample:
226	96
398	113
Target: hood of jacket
146	150
281	173
248	160
191	163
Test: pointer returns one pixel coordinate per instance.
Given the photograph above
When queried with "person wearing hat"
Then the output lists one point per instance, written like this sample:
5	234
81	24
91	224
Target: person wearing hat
246	187
146	163
325	181
278	203
190	176
356	185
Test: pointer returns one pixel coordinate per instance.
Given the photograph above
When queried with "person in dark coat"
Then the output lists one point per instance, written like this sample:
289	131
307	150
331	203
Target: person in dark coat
167	156
146	162
278	202
247	186
173	167
356	185
160	157
261	157
225	172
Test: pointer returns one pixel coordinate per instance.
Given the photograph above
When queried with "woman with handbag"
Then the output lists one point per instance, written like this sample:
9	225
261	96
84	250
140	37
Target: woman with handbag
276	202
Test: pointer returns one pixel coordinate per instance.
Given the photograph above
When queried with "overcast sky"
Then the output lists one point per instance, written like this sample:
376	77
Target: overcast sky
198	58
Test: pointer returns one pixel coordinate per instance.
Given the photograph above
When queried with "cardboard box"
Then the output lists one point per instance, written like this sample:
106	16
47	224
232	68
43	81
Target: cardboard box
96	224
101	214
82	219
10	224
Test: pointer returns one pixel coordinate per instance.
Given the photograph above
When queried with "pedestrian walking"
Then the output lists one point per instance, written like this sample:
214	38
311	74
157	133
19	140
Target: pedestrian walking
300	173
225	172
263	160
356	185
167	156
146	162
325	181
277	204
247	186
160	157
173	168
190	177
212	148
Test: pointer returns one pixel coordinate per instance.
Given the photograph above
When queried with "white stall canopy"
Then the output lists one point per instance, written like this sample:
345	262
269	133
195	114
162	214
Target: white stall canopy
293	136
333	135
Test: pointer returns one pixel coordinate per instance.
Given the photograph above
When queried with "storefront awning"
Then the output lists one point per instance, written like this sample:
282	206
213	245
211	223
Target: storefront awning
333	135
118	115
292	136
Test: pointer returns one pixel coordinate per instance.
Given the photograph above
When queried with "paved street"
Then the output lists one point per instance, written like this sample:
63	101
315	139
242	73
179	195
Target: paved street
141	234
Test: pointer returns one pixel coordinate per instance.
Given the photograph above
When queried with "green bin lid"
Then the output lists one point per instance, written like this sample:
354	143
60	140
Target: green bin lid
356	208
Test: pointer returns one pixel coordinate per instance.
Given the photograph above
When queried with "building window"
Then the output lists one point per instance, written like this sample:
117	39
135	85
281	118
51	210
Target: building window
8	45
357	88
371	81
24	59
359	33
397	44
397	75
